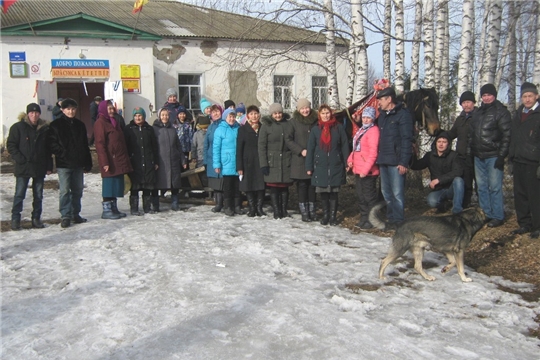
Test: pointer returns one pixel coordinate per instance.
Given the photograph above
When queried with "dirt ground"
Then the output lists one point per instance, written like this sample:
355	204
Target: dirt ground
493	252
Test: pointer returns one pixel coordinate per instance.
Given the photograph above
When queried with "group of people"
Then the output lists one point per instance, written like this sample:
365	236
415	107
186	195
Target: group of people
244	152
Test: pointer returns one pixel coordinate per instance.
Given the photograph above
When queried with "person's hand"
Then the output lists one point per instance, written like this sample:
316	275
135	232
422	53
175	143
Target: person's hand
304	153
185	166
309	172
156	167
433	183
402	169
106	168
240	172
218	170
362	175
265	170
499	163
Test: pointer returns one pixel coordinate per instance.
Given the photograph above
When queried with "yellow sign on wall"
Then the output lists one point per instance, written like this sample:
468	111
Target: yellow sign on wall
131	85
130	71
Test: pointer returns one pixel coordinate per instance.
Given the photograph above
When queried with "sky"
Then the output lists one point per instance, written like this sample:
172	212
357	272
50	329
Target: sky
199	285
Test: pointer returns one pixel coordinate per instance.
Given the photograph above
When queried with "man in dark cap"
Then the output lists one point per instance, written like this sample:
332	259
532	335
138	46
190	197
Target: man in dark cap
525	157
460	130
68	141
489	143
26	144
394	153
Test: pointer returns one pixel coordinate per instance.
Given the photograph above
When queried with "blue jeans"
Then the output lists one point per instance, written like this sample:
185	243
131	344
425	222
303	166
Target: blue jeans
393	190
21	185
71	189
454	192
489	181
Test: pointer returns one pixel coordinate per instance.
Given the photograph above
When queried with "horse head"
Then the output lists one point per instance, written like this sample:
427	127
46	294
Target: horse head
424	106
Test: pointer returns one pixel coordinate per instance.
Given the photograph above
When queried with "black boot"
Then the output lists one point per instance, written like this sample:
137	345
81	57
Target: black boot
251	204
312	211
284	203
155	203
333	212
228	208
36	223
134	205
304	211
260	203
16	222
276	200
108	212
146	204
238	206
218	197
326	211
174	202
114	207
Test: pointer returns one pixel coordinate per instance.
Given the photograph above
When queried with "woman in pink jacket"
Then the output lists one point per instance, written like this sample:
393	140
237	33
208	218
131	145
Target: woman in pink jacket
362	162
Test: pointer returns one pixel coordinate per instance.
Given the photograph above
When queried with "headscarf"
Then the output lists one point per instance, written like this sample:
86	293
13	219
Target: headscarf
326	126
102	110
140	111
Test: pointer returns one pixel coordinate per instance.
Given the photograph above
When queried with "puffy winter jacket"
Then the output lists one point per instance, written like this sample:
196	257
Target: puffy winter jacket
460	130
143	152
525	142
297	139
490	131
395	144
224	148
111	148
445	167
273	151
171	156
364	161
68	142
208	150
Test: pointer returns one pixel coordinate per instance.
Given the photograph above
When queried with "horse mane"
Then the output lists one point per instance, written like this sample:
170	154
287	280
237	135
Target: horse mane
417	96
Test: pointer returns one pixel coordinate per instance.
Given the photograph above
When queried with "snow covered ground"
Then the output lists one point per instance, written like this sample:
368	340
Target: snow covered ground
198	285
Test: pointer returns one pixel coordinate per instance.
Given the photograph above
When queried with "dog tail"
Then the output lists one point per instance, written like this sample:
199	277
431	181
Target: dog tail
374	218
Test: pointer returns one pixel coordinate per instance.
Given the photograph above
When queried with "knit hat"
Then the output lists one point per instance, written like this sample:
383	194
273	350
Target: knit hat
139	110
467	96
33	107
275	108
203	120
241	108
444	135
181	109
528	87
228	104
302	103
252	108
369	112
227	112
98	98
203	104
389	91
488	89
171	92
68	102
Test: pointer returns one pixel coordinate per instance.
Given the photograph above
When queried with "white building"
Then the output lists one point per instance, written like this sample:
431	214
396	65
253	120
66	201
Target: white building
84	48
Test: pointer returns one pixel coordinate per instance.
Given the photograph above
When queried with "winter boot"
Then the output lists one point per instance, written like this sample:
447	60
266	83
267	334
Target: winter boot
228	209
238	206
251	204
16	222
260	203
108	212
326	211
218	197
37	224
146	204
155	204
78	219
333	212
312	211
174	203
284	203
276	200
114	208
134	205
304	211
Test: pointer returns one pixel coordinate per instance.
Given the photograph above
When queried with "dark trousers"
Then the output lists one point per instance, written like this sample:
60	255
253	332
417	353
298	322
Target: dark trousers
527	195
21	185
231	188
366	190
145	192
468	177
306	192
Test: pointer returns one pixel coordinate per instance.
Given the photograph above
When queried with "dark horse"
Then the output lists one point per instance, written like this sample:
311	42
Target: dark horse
422	103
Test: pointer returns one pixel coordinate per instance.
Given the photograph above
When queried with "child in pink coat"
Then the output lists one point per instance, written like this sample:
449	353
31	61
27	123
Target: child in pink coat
362	162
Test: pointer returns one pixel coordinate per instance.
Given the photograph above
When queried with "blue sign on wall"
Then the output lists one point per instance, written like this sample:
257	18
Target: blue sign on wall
80	63
17	56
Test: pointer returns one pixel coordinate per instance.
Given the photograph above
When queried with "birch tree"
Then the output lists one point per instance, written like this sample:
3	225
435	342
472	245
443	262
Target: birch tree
399	80
362	64
482	48
467	32
439	44
333	93
429	68
493	39
536	78
416	44
445	64
513	15
386	41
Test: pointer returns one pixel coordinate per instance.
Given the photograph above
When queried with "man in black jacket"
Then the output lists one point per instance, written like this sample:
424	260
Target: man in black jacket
460	130
489	143
445	168
525	157
67	140
26	144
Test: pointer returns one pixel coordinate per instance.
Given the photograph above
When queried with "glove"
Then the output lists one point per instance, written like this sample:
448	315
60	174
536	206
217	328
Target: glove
538	172
499	163
265	170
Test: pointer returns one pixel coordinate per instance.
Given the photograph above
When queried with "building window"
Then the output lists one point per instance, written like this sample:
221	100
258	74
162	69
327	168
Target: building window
319	91
283	91
189	91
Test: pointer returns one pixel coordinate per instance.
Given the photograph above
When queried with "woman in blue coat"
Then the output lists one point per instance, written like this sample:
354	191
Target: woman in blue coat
327	153
215	180
224	161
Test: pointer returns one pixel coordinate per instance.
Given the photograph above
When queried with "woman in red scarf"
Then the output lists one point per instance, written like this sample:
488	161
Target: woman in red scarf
327	152
113	159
